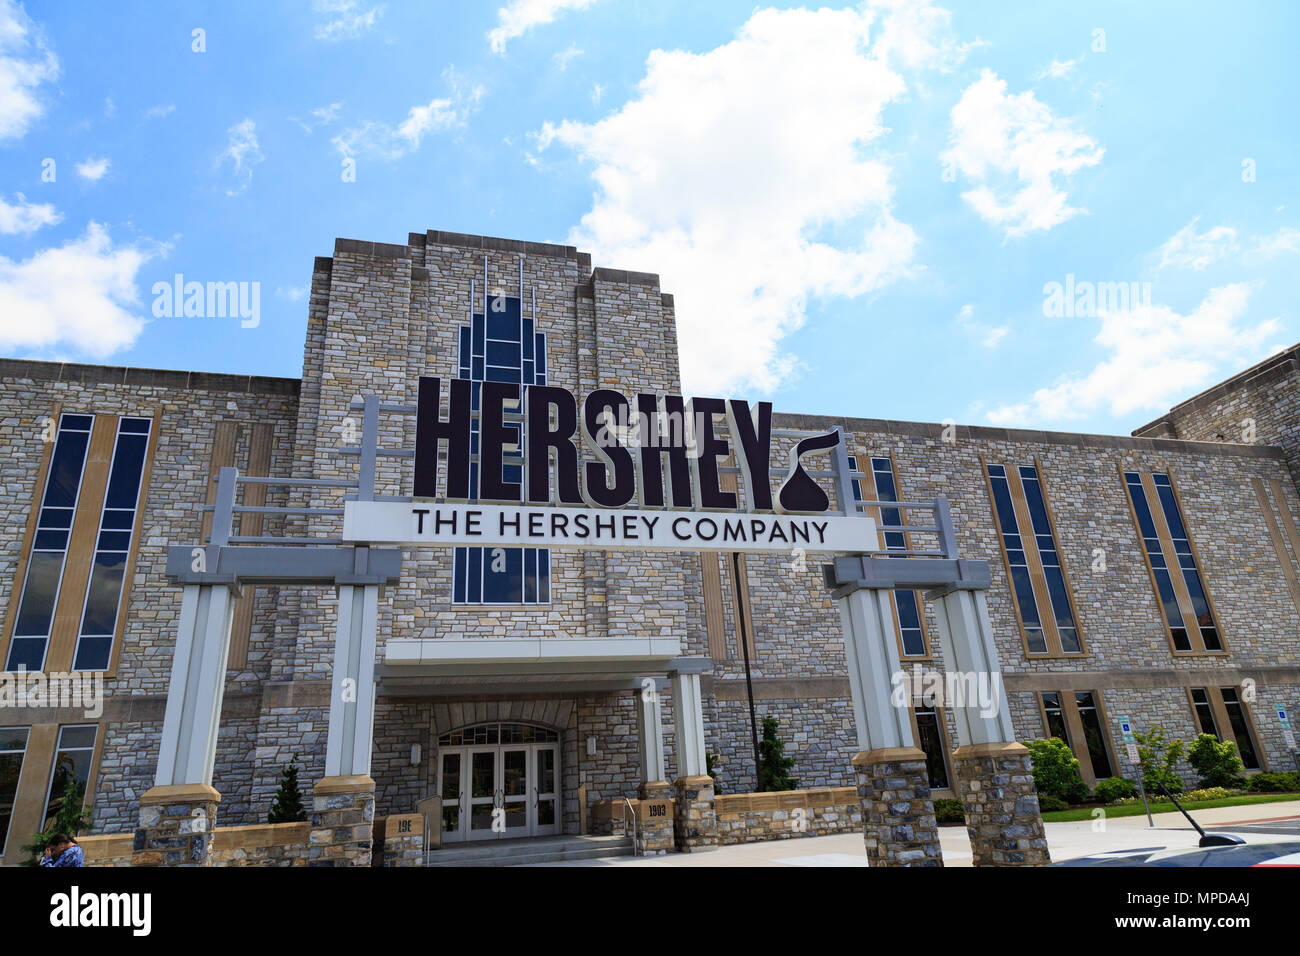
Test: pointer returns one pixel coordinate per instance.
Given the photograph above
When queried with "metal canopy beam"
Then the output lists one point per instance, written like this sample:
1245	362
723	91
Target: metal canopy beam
285	566
938	575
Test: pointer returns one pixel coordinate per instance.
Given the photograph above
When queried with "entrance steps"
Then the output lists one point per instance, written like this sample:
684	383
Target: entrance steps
525	852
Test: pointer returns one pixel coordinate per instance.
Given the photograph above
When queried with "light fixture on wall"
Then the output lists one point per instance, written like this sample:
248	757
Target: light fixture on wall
591	746
415	755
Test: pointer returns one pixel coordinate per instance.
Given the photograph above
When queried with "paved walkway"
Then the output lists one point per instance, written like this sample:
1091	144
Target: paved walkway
1065	840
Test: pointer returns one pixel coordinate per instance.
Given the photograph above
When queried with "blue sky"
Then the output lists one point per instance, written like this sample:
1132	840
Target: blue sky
859	209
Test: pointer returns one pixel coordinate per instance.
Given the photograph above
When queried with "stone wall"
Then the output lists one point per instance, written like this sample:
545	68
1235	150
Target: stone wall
754	817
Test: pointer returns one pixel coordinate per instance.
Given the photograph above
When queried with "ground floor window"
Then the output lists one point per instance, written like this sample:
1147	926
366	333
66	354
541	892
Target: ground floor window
929	737
1076	717
13	746
1220	710
72	762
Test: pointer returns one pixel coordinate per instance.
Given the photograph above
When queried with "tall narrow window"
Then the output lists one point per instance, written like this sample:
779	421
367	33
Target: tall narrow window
13	746
1093	734
1204	711
72	761
113	545
500	345
31	635
1055	714
1240	727
909	614
1042	595
1171	559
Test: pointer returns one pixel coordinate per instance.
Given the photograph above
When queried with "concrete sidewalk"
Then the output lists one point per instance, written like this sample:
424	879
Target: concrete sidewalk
1065	840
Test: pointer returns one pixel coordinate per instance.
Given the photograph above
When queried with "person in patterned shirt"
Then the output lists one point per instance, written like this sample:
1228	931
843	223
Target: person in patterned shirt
63	851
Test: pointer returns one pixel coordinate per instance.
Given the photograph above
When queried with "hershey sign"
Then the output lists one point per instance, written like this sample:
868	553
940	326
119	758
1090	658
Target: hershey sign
517	454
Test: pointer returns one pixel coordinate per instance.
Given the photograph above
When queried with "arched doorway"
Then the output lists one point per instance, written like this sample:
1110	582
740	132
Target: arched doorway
499	780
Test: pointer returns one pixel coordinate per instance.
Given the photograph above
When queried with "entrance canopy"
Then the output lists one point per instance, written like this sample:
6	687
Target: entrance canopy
463	666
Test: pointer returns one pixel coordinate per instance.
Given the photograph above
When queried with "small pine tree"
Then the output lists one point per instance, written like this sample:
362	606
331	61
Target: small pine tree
287	806
773	765
710	765
70	817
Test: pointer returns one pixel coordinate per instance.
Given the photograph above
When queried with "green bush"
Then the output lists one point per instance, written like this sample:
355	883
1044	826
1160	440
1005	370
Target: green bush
773	765
1114	788
1157	756
1207	793
1275	782
1056	771
1048	803
949	811
1217	762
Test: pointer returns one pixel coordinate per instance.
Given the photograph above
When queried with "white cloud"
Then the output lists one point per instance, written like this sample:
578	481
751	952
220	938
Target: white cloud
158	112
746	176
519	16
26	217
1156	357
344	19
242	152
986	335
1185	249
1059	69
79	297
1285	240
93	169
25	63
564	56
293	293
321	116
376	138
1017	151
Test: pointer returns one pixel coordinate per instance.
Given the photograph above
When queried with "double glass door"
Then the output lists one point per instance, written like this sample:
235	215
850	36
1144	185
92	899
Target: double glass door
501	791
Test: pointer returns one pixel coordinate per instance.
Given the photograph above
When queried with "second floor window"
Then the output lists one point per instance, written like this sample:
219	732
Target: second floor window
1171	559
1039	584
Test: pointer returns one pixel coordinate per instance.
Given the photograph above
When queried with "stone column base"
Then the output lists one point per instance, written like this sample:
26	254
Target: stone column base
695	825
176	826
996	785
898	823
342	821
655	830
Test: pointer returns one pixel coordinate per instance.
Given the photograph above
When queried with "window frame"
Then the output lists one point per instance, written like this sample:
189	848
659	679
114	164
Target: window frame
92	767
941	722
18	782
1076	735
1219	710
1038	579
1165	538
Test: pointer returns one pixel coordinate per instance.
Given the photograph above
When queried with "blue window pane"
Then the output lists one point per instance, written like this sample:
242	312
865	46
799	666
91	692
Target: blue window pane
504	354
26	653
39	593
478	329
76	422
464	356
530	576
65	470
138	425
494	374
529	376
114	541
103	596
458	576
93	654
544	576
55	518
529	343
540	340
118	520
51	541
478	369
475	559
504	325
128	464
1025	596
503	576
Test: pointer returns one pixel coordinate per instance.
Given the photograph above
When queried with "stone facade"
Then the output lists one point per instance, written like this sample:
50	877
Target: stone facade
752	818
695	824
381	315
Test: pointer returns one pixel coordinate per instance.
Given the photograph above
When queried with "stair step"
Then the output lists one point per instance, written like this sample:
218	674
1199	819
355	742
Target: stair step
530	852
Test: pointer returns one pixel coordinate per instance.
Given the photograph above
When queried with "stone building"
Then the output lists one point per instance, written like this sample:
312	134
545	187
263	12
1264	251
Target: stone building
104	468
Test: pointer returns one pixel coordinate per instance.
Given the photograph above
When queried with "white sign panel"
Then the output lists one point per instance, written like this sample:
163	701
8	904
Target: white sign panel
428	523
1133	757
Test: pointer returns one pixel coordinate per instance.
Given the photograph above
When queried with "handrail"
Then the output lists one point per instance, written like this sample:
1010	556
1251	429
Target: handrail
632	810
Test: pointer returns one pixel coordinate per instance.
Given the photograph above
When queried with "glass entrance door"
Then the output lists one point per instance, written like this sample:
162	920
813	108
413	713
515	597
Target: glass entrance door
507	773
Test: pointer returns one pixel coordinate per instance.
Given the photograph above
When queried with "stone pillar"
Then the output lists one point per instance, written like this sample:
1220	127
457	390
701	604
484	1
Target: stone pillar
996	786
176	824
342	821
655	829
898	823
404	840
994	773
695	824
